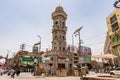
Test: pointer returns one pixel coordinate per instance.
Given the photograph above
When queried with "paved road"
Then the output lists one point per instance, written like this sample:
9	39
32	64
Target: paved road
28	76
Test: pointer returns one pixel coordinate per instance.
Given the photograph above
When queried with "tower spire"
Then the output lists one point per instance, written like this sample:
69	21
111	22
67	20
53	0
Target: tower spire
59	3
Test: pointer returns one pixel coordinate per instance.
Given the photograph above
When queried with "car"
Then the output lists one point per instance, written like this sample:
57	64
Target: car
115	72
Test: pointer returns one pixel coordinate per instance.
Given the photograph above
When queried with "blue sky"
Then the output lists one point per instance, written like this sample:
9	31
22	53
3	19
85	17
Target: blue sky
22	20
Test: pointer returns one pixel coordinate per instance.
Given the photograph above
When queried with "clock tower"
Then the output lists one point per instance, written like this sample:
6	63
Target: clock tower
59	30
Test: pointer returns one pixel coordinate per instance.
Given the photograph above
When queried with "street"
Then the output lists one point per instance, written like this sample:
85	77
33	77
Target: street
28	76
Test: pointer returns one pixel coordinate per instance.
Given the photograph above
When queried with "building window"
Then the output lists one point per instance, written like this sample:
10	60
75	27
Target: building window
63	23
115	26
118	37
54	43
63	48
113	40
56	22
60	24
52	58
113	19
59	48
63	37
54	48
60	36
55	36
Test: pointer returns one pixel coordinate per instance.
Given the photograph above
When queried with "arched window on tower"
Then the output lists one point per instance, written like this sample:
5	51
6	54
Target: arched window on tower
59	48
55	36
54	43
60	36
55	48
56	23
63	37
60	24
63	48
63	23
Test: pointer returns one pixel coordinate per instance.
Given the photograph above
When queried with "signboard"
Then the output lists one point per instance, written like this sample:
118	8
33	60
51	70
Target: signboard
84	54
28	59
83	50
87	59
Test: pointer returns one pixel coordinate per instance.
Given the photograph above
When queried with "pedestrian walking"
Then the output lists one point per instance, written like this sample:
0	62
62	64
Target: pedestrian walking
17	71
12	73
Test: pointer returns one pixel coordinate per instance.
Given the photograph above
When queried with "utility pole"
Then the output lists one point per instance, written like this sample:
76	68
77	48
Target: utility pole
78	33
40	43
72	54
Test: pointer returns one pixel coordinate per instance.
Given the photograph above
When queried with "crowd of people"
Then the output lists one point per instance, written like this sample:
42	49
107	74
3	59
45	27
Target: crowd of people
10	72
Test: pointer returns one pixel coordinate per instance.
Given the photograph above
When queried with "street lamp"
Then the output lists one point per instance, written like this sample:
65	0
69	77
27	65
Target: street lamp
116	4
78	33
72	53
39	44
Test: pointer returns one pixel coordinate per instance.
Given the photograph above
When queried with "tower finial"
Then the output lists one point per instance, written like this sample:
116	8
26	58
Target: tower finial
59	3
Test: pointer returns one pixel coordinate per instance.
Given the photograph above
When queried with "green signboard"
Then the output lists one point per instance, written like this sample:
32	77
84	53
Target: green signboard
87	59
27	59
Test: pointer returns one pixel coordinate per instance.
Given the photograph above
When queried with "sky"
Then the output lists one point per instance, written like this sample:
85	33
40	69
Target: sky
22	20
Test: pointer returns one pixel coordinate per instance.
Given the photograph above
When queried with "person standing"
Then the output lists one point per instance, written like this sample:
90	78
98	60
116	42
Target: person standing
17	71
12	72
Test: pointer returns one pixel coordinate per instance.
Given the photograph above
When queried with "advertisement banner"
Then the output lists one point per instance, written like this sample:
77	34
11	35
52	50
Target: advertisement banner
81	59
87	59
83	50
27	60
84	54
84	59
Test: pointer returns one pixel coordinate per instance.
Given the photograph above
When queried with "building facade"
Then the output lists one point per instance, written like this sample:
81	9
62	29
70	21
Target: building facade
113	25
107	45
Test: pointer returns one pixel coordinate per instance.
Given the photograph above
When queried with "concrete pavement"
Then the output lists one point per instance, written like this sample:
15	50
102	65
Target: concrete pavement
29	76
102	76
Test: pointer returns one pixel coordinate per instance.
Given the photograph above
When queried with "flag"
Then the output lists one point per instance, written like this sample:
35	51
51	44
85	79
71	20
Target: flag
5	64
6	56
37	43
78	30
